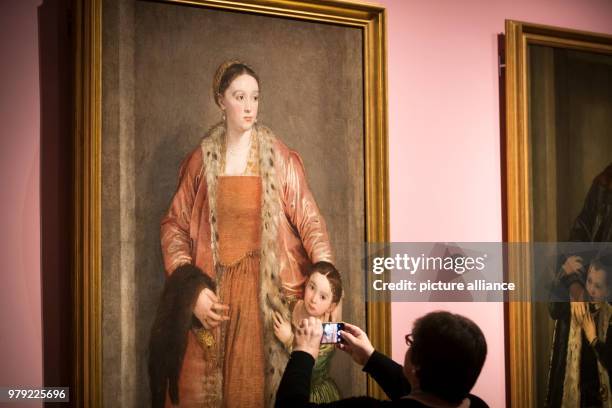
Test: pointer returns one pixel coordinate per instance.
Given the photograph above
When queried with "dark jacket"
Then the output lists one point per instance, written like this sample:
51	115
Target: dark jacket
168	340
589	377
294	389
594	223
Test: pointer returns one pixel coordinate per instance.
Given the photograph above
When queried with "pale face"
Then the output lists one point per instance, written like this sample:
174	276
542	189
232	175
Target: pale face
240	102
596	285
318	296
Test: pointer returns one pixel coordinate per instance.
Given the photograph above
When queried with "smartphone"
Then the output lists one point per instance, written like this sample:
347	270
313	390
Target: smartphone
330	333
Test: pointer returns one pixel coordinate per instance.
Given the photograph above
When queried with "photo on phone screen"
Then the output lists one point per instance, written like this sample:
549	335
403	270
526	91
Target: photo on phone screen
330	333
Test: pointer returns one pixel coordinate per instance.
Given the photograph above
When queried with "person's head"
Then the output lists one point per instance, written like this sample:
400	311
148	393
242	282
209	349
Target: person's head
599	281
236	92
445	355
323	289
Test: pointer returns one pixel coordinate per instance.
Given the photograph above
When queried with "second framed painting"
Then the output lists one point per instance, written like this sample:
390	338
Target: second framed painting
559	196
243	138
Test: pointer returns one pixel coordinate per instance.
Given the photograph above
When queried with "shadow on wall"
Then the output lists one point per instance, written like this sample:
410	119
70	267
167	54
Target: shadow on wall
56	187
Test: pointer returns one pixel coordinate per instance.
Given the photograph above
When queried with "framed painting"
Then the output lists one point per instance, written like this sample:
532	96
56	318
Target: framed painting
146	101
558	156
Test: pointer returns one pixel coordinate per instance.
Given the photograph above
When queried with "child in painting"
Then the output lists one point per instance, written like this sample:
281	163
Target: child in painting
585	358
321	296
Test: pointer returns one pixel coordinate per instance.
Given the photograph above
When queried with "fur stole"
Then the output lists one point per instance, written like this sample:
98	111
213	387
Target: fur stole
271	298
571	383
173	320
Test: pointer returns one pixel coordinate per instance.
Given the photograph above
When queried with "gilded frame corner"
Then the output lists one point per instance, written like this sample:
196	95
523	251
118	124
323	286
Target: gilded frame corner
519	35
87	317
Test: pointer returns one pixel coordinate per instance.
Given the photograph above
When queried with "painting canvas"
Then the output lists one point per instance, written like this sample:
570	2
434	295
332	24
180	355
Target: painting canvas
558	178
321	83
570	122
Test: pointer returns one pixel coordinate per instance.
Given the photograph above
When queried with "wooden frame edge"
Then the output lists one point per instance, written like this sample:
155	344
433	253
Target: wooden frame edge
378	314
519	313
87	196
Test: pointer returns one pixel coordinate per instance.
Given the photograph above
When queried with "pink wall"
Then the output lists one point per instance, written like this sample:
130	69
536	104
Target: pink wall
444	135
20	301
444	154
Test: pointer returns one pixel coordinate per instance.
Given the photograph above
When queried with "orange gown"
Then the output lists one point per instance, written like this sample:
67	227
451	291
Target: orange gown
239	209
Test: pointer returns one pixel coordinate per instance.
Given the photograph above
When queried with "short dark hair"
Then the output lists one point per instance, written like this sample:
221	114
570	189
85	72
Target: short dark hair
333	276
448	352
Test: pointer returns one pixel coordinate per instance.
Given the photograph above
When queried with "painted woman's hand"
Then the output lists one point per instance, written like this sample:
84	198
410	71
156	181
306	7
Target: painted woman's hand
573	264
282	328
209	310
579	311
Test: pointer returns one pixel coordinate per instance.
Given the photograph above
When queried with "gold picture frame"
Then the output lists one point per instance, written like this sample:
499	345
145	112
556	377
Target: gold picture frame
87	250
519	195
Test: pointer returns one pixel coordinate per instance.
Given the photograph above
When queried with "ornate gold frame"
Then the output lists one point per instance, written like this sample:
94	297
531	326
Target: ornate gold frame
519	36
88	181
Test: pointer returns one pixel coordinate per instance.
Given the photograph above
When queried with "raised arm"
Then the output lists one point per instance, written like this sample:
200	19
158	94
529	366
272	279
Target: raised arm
389	375
294	388
567	286
386	372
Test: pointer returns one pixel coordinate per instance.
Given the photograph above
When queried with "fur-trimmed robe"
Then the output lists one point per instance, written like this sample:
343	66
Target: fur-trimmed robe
294	236
564	384
572	390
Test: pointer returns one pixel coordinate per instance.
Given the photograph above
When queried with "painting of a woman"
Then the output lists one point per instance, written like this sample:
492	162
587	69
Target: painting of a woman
579	366
241	231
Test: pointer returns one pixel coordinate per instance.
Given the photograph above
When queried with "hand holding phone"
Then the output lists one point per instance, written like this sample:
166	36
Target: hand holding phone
355	342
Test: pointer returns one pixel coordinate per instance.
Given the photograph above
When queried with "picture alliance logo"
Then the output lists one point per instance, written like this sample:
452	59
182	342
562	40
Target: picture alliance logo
412	264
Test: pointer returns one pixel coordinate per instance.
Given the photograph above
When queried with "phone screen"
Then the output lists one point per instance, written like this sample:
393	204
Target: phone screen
330	333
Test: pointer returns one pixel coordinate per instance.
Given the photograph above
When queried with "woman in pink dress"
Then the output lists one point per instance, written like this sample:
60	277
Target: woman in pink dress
241	231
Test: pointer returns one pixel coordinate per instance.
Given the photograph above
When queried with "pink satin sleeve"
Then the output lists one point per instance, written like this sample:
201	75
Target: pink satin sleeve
175	225
303	212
